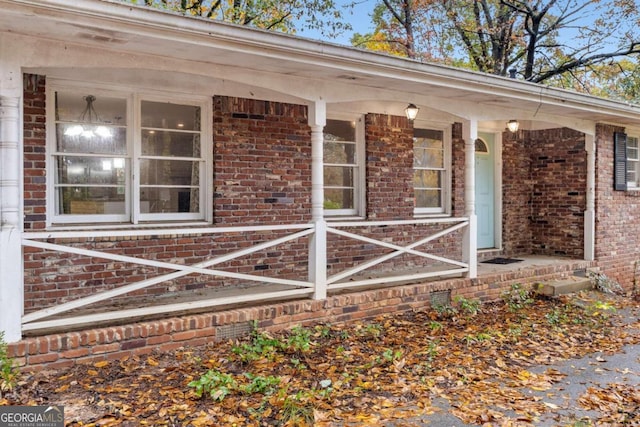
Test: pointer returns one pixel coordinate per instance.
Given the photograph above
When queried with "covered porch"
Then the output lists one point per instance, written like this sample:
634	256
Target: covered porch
66	270
59	347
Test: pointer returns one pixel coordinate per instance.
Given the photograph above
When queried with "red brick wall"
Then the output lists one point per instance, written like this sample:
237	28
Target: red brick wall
457	178
516	194
544	192
262	162
35	184
389	148
617	216
559	178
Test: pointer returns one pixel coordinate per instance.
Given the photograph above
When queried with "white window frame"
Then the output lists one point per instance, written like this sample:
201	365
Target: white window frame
132	215
633	163
359	178
445	208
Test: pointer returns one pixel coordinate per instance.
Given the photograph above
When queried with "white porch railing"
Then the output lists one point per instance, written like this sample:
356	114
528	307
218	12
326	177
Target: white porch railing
42	319
458	267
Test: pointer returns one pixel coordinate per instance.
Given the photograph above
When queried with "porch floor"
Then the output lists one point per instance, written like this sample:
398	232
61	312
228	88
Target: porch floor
526	268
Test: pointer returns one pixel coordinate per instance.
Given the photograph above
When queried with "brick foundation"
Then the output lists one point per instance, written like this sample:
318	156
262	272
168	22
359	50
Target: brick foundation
64	350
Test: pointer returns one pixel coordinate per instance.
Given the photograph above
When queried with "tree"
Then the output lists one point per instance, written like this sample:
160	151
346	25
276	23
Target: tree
559	42
278	15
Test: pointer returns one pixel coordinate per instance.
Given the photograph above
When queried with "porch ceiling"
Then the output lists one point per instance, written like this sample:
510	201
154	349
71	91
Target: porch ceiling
136	30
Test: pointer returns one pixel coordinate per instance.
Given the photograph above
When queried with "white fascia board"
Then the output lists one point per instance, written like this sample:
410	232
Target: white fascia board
162	25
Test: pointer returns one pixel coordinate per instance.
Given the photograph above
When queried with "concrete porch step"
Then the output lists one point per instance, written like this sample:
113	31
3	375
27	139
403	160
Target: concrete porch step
565	286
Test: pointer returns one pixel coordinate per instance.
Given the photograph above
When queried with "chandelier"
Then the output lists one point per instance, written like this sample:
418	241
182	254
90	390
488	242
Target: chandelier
89	117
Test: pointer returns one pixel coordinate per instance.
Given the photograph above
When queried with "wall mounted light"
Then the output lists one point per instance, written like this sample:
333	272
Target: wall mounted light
411	111
513	126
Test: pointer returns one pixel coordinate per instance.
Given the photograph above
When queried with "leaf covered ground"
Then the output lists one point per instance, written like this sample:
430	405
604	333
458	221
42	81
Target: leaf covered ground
394	370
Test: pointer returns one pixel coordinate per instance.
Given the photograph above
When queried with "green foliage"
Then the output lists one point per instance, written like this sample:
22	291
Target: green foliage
371	330
556	317
517	297
435	326
476	338
601	309
470	307
390	355
214	383
323	331
8	371
445	311
219	385
265	385
261	345
299	340
298	364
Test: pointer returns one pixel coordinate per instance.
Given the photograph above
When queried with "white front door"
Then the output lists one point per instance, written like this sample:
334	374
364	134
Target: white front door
485	190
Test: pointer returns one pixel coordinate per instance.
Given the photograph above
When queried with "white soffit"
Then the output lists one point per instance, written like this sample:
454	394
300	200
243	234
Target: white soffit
137	30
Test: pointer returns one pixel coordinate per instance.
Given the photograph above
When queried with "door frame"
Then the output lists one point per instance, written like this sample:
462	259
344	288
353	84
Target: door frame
497	182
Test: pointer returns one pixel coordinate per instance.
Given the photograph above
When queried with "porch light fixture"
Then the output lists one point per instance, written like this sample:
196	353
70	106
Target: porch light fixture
411	111
513	126
89	116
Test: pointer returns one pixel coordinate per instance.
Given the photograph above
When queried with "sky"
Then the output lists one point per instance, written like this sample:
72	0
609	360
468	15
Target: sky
359	18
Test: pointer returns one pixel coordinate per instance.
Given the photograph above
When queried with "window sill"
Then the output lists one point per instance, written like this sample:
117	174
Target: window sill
432	215
125	226
344	218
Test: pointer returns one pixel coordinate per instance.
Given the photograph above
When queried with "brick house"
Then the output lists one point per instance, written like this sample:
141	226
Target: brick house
166	179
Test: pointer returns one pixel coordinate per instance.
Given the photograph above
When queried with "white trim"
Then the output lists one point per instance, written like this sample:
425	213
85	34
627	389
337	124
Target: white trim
590	211
133	98
359	179
447	142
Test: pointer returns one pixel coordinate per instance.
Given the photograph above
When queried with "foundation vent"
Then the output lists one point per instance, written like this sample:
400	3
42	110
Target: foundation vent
440	298
233	331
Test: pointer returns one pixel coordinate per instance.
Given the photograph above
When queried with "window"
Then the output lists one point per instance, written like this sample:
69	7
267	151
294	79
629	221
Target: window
431	165
125	158
343	168
633	162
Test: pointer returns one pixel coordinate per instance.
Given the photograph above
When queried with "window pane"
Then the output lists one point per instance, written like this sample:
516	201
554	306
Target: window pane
338	198
76	138
170	144
339	130
91	200
435	144
169	200
428	158
338	176
73	107
631	174
90	170
428	198
428	134
163	115
341	153
427	179
169	172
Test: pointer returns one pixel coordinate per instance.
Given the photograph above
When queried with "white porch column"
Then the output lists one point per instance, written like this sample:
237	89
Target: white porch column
318	242
590	212
470	239
11	262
